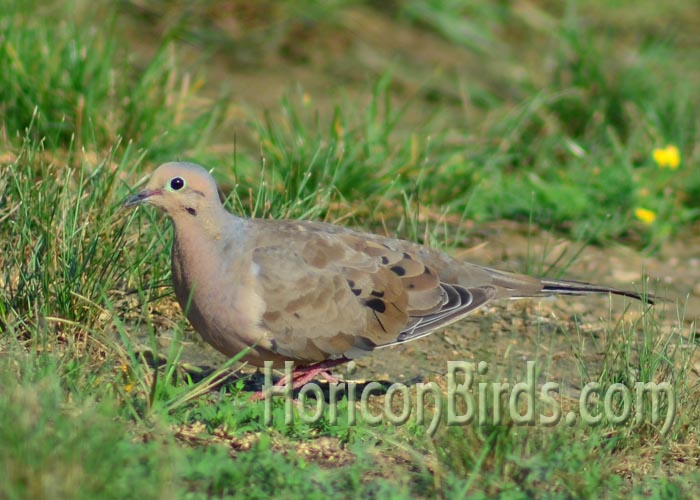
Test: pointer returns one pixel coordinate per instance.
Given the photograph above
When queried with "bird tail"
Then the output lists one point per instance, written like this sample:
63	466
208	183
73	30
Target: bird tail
567	287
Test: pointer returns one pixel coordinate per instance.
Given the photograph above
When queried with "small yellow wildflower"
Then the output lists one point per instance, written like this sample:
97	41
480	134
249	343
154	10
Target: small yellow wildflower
129	387
645	215
668	157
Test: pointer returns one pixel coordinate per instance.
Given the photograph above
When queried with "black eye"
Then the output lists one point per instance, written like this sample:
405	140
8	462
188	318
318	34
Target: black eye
177	183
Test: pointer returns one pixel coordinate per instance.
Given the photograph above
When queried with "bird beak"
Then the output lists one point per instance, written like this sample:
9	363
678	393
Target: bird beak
140	197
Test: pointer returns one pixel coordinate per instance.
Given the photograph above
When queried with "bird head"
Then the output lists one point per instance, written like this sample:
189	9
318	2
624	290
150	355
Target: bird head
179	189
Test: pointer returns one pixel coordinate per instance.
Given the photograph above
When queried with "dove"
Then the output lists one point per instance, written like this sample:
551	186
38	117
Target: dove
315	293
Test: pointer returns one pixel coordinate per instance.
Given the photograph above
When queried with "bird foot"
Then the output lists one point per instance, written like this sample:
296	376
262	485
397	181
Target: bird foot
304	374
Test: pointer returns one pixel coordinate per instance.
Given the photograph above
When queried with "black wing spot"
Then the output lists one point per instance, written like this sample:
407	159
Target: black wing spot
376	304
376	293
296	315
351	284
381	325
398	270
385	260
191	211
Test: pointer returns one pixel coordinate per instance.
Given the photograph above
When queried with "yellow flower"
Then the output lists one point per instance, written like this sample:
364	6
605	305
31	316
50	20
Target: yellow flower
645	215
668	157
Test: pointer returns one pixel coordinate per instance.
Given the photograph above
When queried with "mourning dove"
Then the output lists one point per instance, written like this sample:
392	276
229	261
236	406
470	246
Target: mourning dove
313	292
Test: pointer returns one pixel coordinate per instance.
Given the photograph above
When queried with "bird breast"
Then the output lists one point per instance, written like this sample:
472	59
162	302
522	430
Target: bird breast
218	295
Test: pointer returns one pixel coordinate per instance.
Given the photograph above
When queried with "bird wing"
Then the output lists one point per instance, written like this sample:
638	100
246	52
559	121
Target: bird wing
332	293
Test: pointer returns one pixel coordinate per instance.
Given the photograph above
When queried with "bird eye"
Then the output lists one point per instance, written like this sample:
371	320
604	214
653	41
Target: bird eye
177	183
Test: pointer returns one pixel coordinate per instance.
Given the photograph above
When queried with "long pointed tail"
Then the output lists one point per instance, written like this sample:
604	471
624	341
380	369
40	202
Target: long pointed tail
567	287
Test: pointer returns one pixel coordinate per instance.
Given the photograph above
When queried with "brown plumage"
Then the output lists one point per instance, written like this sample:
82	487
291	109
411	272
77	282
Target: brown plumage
312	292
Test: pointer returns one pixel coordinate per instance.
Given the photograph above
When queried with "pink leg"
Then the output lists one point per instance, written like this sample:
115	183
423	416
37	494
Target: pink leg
304	374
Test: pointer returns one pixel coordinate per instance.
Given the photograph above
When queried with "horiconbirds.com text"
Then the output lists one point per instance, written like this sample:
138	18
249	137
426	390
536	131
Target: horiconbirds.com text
468	401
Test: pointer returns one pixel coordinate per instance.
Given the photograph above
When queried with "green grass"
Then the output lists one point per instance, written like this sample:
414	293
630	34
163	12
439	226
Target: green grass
72	86
551	121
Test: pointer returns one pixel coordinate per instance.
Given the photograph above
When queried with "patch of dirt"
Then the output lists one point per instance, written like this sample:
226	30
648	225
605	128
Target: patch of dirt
325	451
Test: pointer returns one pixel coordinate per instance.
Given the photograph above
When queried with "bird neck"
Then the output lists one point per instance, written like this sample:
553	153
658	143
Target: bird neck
209	223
